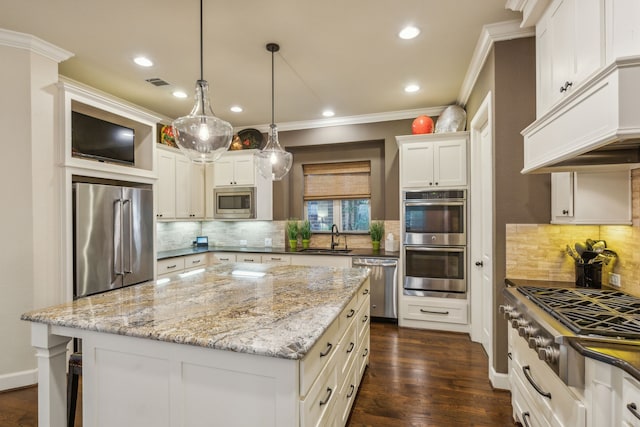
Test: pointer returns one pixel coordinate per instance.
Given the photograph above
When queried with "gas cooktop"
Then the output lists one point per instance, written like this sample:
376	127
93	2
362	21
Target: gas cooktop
599	312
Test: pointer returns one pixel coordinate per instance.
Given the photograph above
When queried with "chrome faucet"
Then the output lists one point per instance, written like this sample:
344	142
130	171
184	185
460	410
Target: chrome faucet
334	233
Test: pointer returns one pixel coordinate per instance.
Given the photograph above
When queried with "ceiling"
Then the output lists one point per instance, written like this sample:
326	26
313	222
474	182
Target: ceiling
339	54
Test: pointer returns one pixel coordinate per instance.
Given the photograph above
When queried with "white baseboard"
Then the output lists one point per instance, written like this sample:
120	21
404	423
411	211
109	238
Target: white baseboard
499	381
18	379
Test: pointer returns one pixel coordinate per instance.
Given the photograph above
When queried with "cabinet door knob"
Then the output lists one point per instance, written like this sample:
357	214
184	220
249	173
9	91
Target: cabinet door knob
431	183
565	212
479	263
566	86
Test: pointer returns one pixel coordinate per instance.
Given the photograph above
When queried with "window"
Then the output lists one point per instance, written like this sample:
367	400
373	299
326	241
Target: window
338	193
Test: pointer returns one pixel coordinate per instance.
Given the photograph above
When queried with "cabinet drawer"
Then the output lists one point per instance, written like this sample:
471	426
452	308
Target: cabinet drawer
346	396
219	257
276	259
563	407
362	358
248	258
348	316
347	350
317	408
195	261
523	411
170	265
630	398
318	357
365	291
363	319
437	311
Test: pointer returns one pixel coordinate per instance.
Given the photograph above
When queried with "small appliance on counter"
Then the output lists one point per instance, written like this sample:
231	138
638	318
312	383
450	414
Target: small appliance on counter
201	242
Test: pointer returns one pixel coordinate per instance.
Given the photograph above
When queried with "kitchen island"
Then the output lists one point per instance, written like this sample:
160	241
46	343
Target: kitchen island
235	344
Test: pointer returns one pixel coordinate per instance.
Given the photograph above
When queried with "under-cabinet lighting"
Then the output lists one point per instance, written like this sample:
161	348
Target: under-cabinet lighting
191	273
247	273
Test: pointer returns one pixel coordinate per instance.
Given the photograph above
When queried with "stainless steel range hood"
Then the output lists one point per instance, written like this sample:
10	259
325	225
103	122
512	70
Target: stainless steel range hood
597	126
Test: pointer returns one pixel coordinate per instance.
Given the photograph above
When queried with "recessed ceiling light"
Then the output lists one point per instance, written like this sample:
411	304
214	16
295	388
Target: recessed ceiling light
236	109
142	61
328	113
411	88
179	94
409	32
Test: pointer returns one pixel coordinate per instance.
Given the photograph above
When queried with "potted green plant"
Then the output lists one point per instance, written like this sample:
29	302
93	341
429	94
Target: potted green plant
376	230
292	233
305	233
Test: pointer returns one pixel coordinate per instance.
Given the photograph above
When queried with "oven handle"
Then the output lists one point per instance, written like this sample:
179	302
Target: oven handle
526	370
634	410
439	203
434	249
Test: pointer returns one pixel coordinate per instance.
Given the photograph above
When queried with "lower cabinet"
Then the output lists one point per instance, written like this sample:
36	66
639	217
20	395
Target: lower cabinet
322	260
181	264
330	373
449	314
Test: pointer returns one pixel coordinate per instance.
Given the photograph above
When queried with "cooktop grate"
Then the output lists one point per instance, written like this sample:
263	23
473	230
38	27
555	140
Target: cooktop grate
600	312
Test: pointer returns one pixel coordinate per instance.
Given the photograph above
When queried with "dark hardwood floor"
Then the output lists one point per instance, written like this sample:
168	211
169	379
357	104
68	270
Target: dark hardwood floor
414	378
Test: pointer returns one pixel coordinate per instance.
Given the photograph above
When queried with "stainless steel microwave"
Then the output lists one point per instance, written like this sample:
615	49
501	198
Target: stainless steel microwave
234	203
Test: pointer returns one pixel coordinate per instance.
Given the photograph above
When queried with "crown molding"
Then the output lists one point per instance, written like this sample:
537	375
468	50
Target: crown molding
531	10
33	44
490	34
351	120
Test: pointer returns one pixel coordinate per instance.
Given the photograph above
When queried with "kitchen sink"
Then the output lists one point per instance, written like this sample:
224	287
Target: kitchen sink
325	251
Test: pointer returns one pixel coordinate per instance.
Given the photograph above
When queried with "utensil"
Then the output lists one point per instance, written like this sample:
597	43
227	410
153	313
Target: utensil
573	254
580	248
598	247
589	255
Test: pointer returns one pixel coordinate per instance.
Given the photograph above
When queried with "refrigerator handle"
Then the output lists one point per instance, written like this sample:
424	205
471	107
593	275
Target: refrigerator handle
117	237
130	237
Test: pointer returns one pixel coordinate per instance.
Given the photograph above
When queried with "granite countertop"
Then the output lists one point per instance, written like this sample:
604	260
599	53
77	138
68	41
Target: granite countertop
281	314
362	252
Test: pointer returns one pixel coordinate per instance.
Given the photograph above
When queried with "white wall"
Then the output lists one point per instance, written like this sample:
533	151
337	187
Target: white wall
30	214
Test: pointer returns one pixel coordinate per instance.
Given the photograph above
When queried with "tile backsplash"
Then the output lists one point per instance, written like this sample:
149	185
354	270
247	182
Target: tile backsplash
179	234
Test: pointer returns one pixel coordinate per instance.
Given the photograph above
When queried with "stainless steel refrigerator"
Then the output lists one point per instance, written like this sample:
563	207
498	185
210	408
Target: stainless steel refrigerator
113	237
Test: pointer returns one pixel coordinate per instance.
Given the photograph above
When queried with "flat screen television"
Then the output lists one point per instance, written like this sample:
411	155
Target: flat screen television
101	140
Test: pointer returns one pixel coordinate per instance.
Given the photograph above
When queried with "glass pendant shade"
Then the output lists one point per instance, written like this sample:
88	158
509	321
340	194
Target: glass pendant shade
200	135
274	163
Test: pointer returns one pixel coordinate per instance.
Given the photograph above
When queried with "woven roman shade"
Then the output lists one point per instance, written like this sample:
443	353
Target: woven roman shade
335	181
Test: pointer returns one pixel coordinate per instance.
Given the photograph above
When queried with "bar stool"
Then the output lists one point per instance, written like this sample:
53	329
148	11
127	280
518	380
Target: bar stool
75	372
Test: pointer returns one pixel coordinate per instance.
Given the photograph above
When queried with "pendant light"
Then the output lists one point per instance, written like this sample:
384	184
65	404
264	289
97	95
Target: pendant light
200	135
274	163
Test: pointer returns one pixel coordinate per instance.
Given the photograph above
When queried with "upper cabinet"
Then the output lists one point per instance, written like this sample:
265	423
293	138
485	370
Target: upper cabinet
588	74
433	160
235	168
180	187
570	47
591	197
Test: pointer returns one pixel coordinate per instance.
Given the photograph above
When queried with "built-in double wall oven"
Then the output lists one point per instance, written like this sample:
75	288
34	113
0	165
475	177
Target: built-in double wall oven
435	243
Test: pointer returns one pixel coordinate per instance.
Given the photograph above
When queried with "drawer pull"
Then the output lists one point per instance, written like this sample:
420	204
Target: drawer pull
365	292
526	370
365	318
422	310
353	389
327	351
276	259
326	399
633	409
195	261
510	356
248	260
366	352
172	266
351	346
351	313
525	419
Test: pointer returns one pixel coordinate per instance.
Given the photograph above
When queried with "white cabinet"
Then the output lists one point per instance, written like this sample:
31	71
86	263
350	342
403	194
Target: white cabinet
235	168
276	259
630	402
189	188
220	257
321	260
622	28
591	197
180	186
449	314
433	160
166	186
182	263
570	47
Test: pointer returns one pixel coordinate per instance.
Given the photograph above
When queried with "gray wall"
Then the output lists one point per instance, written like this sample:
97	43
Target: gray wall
334	141
510	74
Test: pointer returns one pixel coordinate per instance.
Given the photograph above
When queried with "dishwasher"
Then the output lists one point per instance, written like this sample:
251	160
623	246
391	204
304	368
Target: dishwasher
384	285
